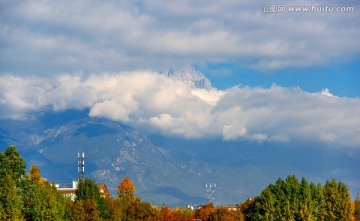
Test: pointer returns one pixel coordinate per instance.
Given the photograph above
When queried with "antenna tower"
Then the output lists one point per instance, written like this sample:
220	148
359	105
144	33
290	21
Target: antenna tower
81	167
210	190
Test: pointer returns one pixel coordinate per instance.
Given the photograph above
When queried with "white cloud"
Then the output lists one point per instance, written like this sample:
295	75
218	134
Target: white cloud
150	100
41	37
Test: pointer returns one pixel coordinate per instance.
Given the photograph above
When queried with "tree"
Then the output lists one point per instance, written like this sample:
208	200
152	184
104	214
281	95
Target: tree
317	201
41	200
205	212
87	196
12	168
4	166
337	201
115	209
10	202
294	200
141	211
357	207
78	211
126	190
35	175
87	189
223	213
165	213
12	163
179	214
104	207
306	206
263	207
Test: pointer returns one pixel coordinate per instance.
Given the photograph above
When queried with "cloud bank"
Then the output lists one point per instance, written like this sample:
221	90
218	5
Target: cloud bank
45	37
160	104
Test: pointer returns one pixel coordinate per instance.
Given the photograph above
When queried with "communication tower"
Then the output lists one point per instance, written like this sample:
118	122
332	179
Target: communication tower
210	190
81	165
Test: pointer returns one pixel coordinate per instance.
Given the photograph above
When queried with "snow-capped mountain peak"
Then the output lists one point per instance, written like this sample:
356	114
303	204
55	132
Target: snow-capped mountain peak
190	76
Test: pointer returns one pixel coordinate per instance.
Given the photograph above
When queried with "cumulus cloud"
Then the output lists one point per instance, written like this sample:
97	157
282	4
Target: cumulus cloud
160	104
41	37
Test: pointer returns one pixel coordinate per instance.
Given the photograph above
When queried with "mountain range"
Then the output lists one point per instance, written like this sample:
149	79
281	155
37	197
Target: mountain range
168	169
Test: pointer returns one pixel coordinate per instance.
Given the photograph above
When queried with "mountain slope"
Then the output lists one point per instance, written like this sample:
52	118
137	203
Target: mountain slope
168	170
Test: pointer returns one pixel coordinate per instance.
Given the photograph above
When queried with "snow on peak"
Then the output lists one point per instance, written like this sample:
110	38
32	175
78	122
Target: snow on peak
326	92
190	76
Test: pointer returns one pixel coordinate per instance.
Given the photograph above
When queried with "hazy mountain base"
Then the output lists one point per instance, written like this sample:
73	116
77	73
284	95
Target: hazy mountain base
168	170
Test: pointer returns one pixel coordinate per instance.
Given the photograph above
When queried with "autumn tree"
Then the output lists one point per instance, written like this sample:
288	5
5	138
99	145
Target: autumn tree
34	175
337	201
224	213
114	209
180	214
205	212
142	211
126	190
165	213
125	198
357	208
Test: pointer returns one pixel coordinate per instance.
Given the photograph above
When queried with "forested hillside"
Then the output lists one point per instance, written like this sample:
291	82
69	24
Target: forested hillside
31	197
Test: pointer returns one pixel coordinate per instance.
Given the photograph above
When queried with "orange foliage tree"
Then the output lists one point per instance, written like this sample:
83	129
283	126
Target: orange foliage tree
126	190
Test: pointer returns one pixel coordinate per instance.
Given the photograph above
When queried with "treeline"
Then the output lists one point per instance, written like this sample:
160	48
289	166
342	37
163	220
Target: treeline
30	197
292	199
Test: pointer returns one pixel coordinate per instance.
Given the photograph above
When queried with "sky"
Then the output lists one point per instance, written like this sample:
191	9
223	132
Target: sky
278	75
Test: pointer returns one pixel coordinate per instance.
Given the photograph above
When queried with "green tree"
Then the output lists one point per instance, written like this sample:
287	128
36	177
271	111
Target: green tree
357	207
69	205
337	201
305	201
4	166
115	209
104	207
10	202
88	196
87	189
287	198
41	200
318	201
78	211
12	168
12	163
294	200
264	207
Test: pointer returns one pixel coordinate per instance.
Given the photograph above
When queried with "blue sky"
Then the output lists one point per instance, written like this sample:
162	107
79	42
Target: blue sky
342	79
